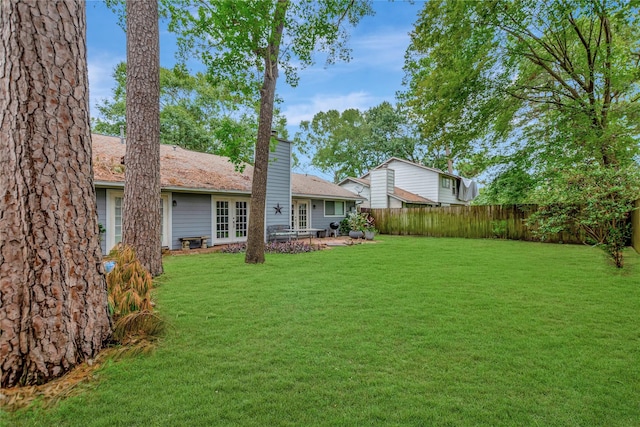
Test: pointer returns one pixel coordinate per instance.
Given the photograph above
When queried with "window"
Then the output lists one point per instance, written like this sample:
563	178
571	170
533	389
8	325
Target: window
333	208
446	182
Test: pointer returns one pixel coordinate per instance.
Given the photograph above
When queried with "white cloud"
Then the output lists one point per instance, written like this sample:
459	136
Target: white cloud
382	49
298	112
101	82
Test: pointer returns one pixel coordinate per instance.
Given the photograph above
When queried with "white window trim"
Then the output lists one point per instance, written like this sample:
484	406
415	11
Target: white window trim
231	200
445	182
295	203
110	235
344	209
167	225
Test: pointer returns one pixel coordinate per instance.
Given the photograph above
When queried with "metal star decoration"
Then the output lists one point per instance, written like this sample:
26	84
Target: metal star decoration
278	209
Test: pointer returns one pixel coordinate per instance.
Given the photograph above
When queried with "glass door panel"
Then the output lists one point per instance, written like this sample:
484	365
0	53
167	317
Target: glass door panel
222	219
241	219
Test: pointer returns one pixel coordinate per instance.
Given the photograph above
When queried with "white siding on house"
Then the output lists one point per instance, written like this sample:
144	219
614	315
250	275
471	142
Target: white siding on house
415	179
382	183
359	189
394	203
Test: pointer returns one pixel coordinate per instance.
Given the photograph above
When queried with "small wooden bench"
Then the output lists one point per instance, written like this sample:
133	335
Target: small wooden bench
186	242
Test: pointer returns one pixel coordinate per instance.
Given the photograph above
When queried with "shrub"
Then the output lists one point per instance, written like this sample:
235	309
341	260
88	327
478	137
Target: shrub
129	286
357	221
344	227
594	200
499	229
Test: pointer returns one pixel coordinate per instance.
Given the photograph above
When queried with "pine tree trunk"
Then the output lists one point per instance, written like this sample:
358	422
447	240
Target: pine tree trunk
141	227
53	294
255	238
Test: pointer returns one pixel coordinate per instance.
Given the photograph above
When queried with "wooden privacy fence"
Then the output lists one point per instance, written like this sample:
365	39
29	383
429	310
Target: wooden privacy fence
475	222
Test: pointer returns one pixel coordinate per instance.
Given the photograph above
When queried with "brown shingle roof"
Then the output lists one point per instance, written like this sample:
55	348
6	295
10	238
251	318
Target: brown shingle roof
180	168
309	185
409	197
356	180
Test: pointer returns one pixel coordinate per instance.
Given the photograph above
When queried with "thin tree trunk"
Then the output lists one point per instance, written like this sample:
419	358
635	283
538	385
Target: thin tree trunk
141	224
255	239
53	294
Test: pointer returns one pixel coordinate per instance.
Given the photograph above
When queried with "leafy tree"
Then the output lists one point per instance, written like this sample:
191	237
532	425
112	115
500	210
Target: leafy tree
544	87
595	201
246	44
196	113
141	222
53	294
541	86
352	142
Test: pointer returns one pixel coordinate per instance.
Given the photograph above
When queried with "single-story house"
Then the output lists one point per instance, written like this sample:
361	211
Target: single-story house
204	195
399	183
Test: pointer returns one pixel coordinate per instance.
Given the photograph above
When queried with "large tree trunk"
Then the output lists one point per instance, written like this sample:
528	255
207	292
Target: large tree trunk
141	227
255	239
53	294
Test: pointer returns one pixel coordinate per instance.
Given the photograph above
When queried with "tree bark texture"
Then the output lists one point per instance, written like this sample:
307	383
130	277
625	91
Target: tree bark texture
255	238
141	223
53	293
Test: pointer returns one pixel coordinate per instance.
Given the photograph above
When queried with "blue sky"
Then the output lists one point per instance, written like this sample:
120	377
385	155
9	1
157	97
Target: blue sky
373	75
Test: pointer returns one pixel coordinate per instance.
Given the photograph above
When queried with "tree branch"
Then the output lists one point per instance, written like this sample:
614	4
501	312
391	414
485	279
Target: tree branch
344	14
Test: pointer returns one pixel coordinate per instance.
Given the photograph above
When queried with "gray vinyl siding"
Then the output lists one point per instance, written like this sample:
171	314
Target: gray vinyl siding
318	220
101	202
191	217
279	185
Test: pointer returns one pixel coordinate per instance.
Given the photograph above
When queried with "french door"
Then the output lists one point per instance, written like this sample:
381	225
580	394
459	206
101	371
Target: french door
231	220
300	215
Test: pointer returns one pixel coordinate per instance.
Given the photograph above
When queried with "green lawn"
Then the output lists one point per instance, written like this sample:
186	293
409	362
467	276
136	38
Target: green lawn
410	331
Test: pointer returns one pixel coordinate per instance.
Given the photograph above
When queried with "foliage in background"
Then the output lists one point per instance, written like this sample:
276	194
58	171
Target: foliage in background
130	298
527	89
196	112
594	200
353	142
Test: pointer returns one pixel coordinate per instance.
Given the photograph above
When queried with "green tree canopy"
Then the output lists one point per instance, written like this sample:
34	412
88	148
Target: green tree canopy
542	86
195	113
352	142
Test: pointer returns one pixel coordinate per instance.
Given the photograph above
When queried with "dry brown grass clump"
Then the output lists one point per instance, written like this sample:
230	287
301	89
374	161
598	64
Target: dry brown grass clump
130	300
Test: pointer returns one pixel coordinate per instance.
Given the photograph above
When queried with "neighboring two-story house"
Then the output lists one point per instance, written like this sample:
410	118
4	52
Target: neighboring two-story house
399	183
